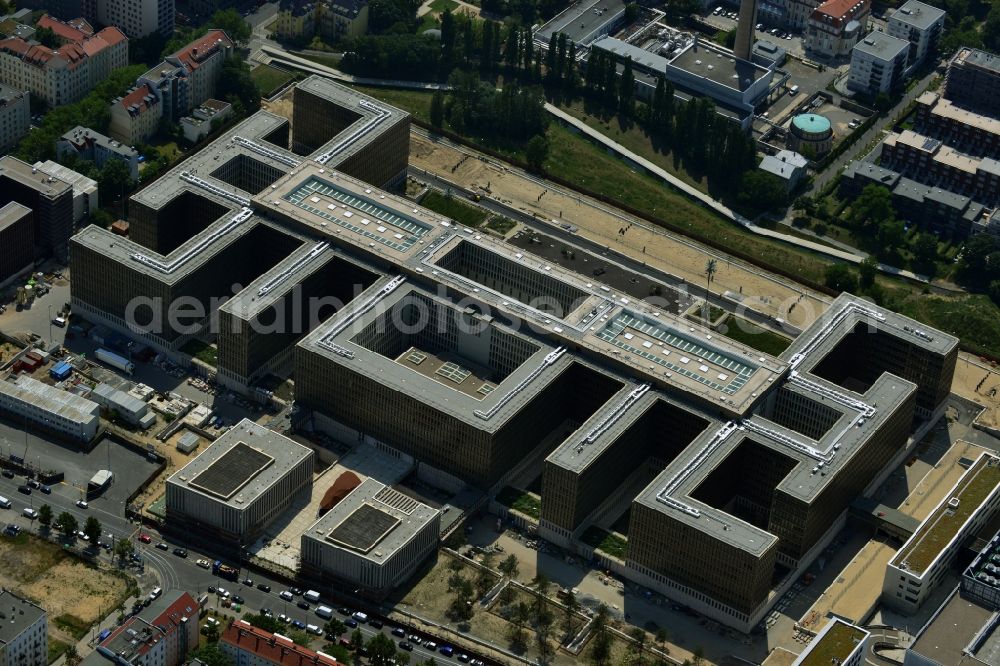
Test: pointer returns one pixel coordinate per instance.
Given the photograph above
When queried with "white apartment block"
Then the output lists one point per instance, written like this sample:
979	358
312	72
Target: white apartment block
64	75
138	18
921	25
15	115
877	63
24	638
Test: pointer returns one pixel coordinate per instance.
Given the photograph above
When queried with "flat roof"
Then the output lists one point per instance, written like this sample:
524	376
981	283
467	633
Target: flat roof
978	58
11	213
56	401
917	14
948	519
945	108
24	173
373	521
881	45
14	623
241	465
951	630
582	20
837	641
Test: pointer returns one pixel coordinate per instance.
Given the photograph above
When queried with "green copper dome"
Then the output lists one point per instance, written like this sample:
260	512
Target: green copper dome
810	122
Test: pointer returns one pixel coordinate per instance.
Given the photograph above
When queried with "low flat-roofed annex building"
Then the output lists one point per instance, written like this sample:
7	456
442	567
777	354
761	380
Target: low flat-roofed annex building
53	410
374	538
239	484
913	573
837	643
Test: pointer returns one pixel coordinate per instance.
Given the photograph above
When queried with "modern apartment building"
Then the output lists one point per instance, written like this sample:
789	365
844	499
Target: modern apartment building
877	63
931	208
49	198
343	19
964	130
171	89
17	241
65	74
931	162
162	634
835	26
137	18
87	144
973	81
48	408
917	568
24	638
15	115
234	488
921	25
373	539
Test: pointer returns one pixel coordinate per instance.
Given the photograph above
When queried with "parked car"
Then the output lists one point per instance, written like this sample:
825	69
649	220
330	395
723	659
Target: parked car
145	538
46	490
286	595
180	552
298	624
162	546
83	505
24	490
403	645
248	582
204	564
9	473
351	622
398	632
237	599
304	605
263	588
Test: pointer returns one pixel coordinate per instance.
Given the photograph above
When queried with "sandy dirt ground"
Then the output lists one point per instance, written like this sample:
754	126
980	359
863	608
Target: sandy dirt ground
62	585
686	259
856	590
463	8
976	380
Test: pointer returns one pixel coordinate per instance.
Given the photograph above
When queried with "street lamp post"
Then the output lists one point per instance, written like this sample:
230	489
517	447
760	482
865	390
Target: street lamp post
50	327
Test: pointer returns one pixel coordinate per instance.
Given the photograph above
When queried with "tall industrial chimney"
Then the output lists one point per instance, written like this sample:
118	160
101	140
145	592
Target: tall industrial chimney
745	29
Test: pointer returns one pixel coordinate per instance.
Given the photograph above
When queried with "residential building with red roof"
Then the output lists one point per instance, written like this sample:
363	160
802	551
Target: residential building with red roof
835	27
182	82
161	635
249	646
65	74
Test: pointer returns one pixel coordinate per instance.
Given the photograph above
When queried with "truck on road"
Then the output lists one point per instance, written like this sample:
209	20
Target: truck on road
225	571
115	361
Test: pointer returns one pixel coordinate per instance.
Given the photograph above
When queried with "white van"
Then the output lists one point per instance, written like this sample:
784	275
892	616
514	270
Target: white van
360	617
793	91
324	612
312	596
157	591
30	513
314	629
4	503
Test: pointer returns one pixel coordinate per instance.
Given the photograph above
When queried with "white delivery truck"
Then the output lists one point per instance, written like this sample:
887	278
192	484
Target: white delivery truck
324	612
312	596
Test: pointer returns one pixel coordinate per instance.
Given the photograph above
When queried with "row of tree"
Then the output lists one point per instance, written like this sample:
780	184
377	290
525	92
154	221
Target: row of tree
67	524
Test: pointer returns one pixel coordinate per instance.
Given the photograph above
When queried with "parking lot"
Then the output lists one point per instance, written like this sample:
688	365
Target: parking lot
726	20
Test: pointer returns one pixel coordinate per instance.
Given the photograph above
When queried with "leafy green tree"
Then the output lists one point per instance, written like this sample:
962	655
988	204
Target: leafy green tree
638	644
47	37
45	515
890	236
335	627
212	655
67	524
338	652
626	90
994	291
867	270
437	109
357	640
123	549
840	278
381	650
114	180
236	84
925	254
678	10
537	151
872	207
509	566
600	650
300	637
264	622
233	23
760	191
92	528
991	29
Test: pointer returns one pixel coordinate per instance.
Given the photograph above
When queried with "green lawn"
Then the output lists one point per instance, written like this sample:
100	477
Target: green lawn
501	224
519	500
56	649
633	137
72	625
754	336
612	544
328	60
269	79
454	208
443	5
201	351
